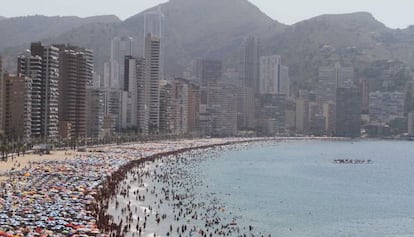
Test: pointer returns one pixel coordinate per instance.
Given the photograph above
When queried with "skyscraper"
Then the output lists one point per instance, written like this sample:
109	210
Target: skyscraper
193	108
17	107
95	111
348	112
331	78
210	71
42	65
76	72
167	107
1	96
181	110
152	77
249	83
154	24
134	79
249	63
31	66
114	69
272	114
274	78
302	115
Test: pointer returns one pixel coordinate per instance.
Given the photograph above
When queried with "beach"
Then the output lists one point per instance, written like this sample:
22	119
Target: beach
63	193
161	199
23	161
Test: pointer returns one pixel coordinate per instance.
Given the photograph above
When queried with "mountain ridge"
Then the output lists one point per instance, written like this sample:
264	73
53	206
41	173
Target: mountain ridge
216	29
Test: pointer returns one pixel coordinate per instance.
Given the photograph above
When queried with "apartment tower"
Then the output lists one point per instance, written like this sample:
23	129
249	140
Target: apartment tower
76	72
17	107
41	64
152	78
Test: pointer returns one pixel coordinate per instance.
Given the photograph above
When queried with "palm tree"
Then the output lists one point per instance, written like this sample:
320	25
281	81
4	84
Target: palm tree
3	151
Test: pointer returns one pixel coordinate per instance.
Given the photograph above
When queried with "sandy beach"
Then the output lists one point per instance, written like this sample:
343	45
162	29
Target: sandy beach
21	162
67	193
58	194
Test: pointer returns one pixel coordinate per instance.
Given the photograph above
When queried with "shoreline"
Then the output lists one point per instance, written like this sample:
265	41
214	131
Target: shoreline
109	186
112	163
57	187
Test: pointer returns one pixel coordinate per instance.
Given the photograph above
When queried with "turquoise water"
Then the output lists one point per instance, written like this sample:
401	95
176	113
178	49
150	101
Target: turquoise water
295	188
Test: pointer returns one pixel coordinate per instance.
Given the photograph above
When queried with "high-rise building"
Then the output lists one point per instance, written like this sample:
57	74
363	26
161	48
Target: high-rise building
193	109
329	115
348	112
410	124
181	108
386	106
31	66
302	115
152	77
1	97
113	101
210	71
274	77
222	106
167	107
134	79
331	78
249	83
114	69
249	63
95	112
272	114
17	107
76	72
284	84
42	65
316	119
175	106
154	24
143	96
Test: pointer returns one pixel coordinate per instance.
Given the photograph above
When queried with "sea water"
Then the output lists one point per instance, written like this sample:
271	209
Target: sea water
291	189
296	188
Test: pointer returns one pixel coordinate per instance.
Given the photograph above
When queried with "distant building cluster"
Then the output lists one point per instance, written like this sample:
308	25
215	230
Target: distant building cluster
56	94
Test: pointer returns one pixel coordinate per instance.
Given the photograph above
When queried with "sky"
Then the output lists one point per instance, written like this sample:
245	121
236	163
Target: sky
393	13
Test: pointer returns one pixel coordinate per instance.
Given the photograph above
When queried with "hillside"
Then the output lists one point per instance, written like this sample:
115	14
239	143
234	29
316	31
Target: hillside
194	29
207	28
355	39
19	30
215	29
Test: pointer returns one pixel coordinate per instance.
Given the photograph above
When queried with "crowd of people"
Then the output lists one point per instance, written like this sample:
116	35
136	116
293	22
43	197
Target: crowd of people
160	196
74	196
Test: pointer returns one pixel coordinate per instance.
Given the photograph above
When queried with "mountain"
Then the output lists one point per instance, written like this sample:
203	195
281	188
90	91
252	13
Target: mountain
19	30
206	28
2	18
216	28
194	29
355	39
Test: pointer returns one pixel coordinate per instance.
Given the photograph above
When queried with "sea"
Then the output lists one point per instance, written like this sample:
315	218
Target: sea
296	189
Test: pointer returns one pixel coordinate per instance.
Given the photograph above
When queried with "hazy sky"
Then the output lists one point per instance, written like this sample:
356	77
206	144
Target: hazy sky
393	13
